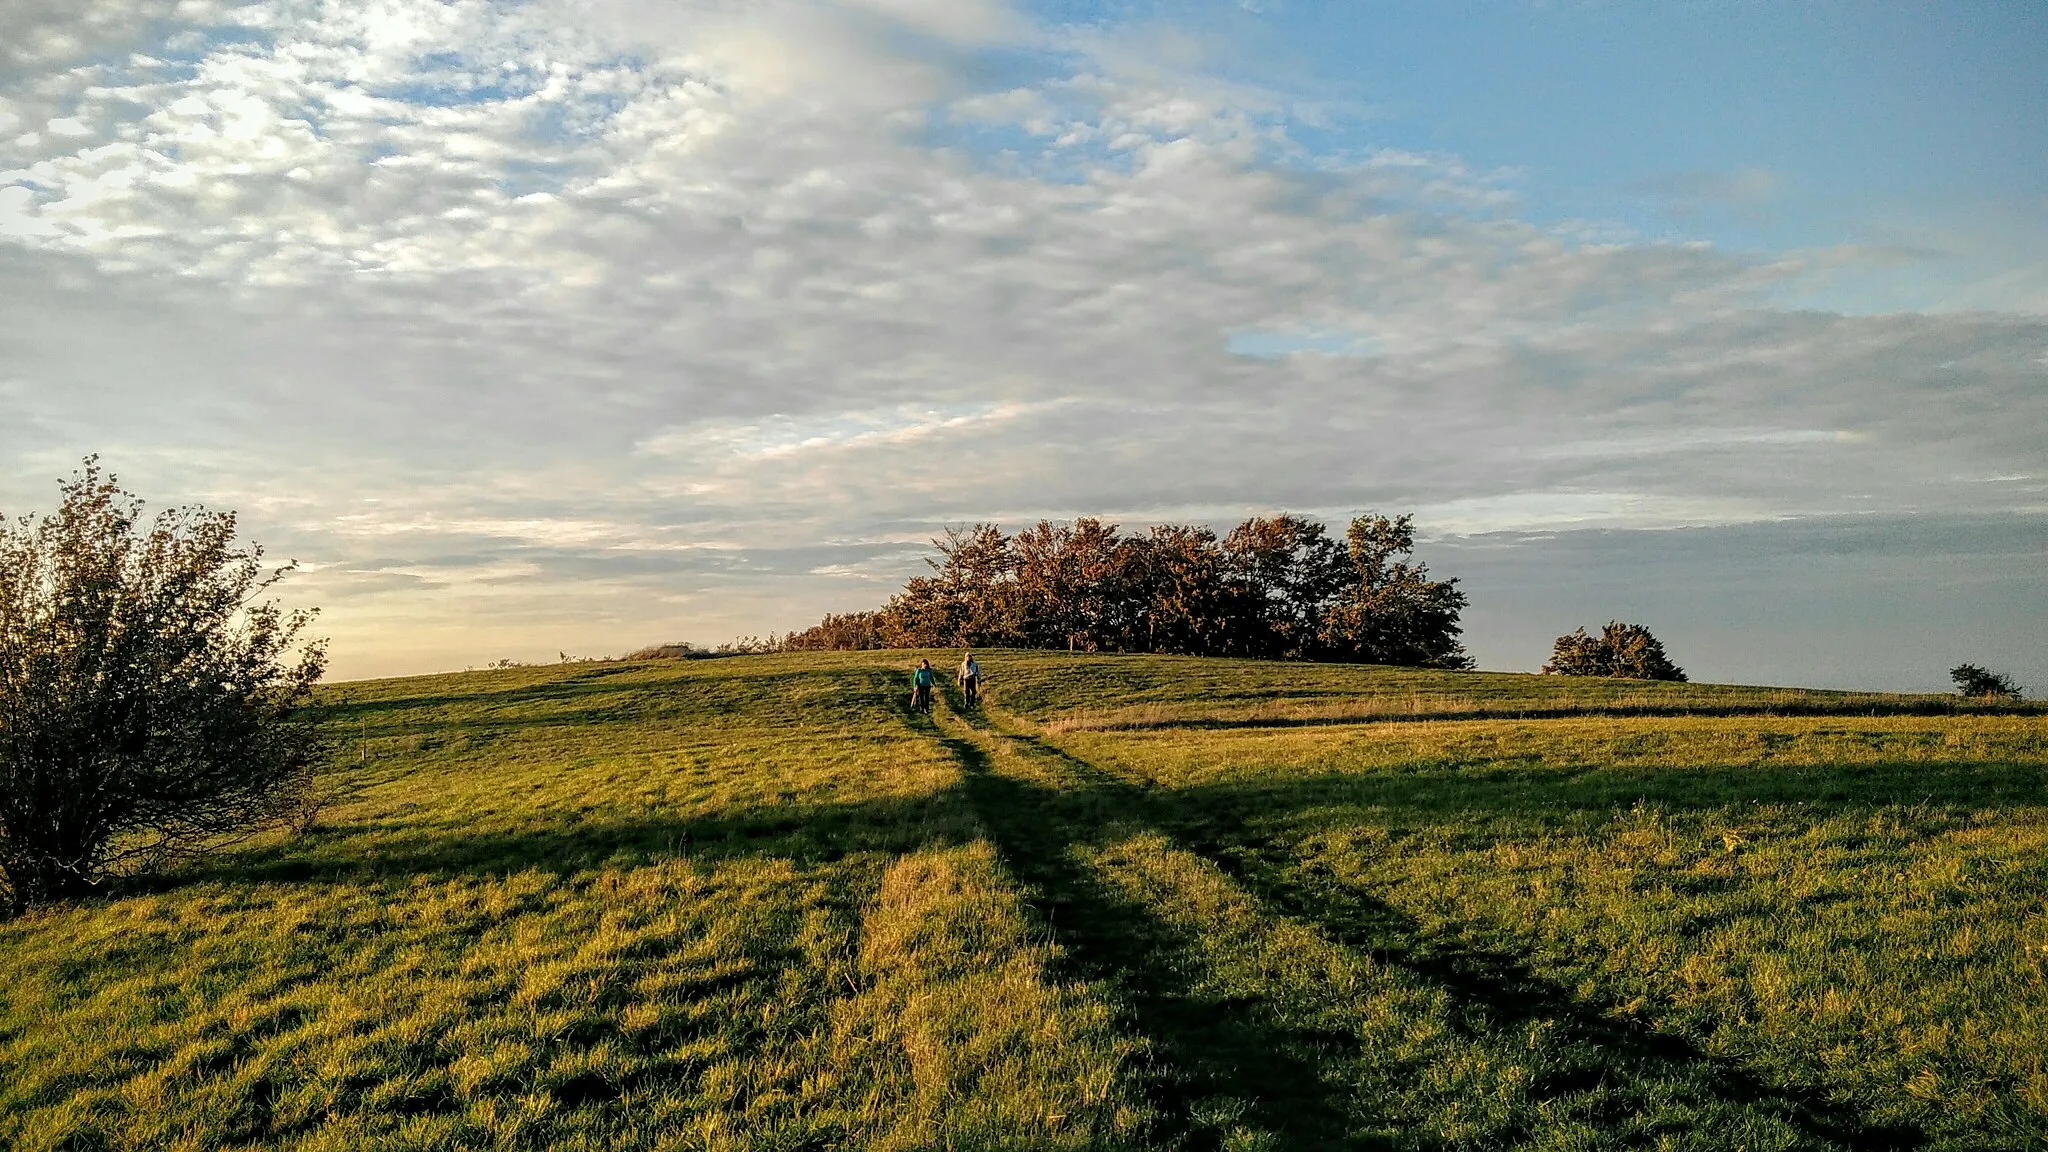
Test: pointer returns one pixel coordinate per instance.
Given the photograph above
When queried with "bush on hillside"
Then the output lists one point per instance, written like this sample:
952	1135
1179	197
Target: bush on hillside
149	703
1983	684
1624	650
1277	587
850	632
684	650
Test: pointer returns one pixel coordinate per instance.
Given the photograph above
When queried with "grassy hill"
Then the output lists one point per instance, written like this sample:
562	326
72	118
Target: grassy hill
1139	902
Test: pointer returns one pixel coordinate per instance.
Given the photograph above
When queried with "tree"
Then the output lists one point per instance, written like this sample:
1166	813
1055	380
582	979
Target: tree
847	632
1983	684
1392	612
1052	591
150	704
1293	574
1624	650
970	599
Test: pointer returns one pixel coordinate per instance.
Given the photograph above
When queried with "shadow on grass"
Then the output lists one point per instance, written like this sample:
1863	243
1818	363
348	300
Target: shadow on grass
801	834
1207	1051
1535	796
1491	991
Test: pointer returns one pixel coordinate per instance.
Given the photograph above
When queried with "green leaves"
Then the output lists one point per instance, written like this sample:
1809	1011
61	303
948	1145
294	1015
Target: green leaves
1624	650
149	702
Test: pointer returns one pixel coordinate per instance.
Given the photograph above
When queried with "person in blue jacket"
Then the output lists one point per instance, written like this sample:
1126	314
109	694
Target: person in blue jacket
921	681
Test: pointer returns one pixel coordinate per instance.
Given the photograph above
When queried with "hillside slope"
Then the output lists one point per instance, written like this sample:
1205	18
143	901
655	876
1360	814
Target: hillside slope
1137	902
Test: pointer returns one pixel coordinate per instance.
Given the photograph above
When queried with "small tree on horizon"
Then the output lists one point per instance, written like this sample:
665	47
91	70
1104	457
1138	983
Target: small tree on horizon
1983	684
149	703
1628	651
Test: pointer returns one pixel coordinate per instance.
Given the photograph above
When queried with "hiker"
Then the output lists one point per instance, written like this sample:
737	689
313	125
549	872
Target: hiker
969	677
921	681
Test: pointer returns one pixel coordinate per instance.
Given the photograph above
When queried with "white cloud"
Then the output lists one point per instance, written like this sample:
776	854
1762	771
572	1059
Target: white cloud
695	310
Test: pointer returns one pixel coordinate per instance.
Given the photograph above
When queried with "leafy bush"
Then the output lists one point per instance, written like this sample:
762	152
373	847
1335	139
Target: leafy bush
148	702
1624	650
1983	684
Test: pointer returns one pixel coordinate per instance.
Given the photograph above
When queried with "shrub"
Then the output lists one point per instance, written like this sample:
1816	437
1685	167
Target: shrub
149	704
1624	650
1982	683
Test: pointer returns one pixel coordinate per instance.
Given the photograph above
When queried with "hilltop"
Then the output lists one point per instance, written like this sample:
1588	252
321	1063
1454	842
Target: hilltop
1139	902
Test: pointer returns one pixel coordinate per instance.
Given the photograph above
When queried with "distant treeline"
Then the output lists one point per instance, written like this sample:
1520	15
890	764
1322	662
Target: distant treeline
1279	587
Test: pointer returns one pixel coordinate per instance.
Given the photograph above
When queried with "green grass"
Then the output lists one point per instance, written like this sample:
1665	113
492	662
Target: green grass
1140	902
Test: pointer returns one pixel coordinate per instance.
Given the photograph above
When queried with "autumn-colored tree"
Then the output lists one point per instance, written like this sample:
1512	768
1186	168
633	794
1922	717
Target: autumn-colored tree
970	598
1277	586
842	632
1294	575
1189	604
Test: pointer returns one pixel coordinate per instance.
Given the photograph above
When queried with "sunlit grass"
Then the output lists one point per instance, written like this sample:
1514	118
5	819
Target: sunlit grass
1850	909
1140	902
673	905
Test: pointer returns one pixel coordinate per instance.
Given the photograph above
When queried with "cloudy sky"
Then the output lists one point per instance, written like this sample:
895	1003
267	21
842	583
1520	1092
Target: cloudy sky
548	326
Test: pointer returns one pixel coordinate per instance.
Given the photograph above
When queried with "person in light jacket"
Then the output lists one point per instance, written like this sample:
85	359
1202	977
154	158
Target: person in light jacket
970	680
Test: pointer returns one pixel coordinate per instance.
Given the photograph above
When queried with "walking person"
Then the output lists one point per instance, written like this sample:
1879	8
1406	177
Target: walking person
922	679
970	680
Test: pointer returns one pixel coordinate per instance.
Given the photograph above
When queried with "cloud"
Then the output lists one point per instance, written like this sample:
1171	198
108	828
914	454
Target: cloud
573	326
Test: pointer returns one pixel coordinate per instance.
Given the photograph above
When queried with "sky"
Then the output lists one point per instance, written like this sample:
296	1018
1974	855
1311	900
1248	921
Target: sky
546	328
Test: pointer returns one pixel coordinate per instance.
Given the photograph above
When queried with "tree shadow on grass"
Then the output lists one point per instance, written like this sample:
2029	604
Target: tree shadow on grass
1210	1050
1491	990
1207	1051
804	834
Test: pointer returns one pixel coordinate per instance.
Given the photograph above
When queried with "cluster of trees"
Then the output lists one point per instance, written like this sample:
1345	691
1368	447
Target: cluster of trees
1279	587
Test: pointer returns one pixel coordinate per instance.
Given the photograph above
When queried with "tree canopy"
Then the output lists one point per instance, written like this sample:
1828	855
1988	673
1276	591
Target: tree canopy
1983	684
149	702
1278	587
1624	650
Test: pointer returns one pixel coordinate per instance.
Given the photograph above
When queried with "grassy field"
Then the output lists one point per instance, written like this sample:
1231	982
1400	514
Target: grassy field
1137	902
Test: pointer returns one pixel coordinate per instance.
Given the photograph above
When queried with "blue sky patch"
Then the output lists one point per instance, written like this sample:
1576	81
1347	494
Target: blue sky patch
1272	344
